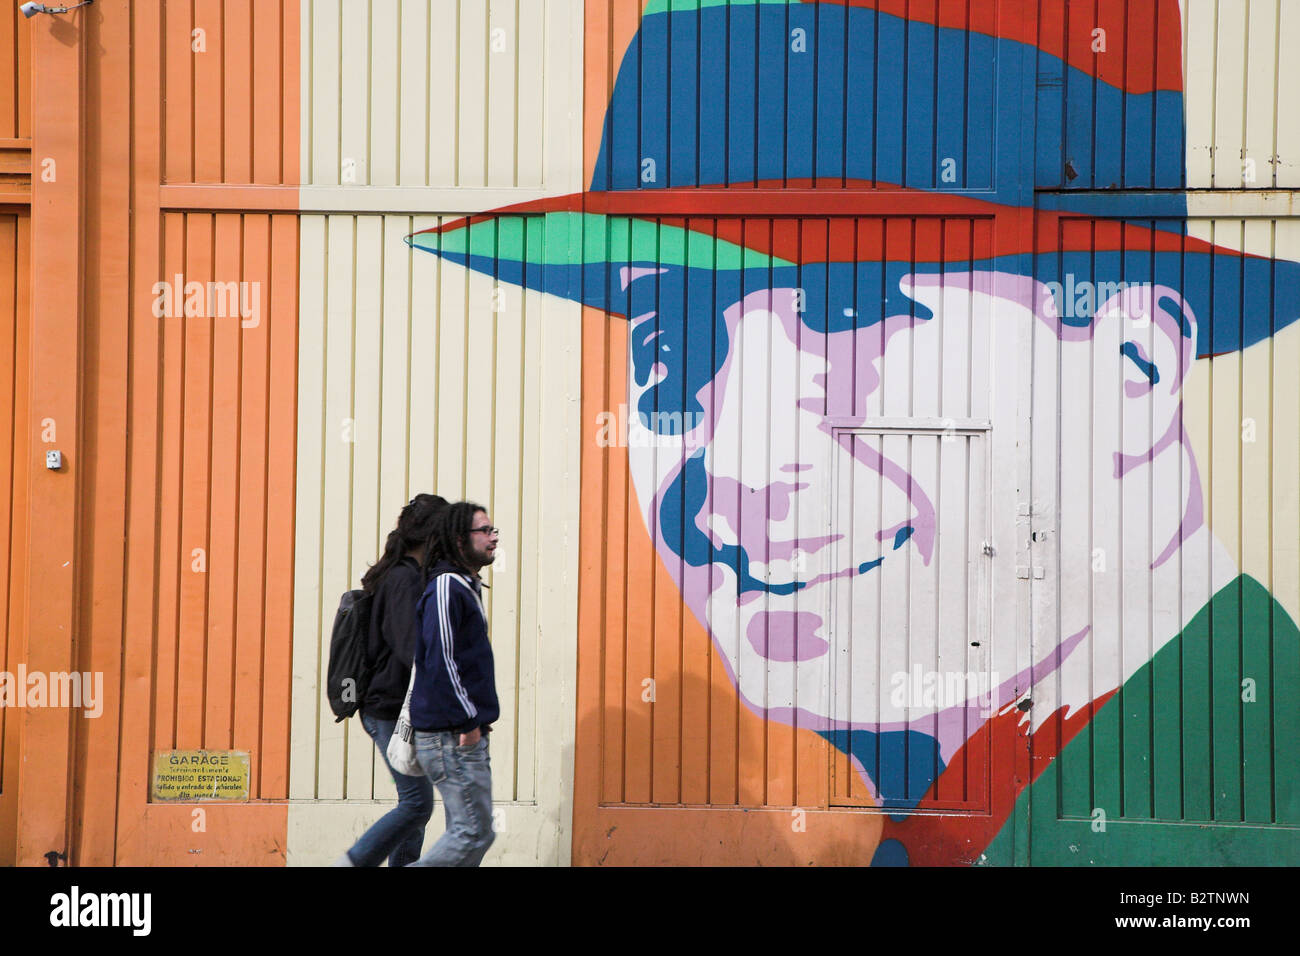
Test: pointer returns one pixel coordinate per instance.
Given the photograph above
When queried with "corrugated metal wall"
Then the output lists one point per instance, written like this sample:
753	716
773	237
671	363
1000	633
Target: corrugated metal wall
15	395
437	93
1148	526
183	462
417	378
222	598
15	89
15	448
225	67
417	375
1195	624
230	478
1241	132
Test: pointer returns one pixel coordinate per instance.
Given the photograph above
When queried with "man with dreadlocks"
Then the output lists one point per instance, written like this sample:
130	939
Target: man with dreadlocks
454	698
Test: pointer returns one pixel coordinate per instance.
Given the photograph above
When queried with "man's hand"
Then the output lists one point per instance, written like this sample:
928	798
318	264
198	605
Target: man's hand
471	738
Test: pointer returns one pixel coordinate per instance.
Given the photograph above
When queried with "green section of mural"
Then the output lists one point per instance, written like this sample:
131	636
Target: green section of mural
677	6
1186	771
604	239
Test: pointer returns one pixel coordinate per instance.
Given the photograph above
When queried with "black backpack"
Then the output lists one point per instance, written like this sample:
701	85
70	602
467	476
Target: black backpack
348	677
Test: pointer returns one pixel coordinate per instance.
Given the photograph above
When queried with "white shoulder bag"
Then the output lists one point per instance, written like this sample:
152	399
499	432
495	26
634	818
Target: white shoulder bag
401	747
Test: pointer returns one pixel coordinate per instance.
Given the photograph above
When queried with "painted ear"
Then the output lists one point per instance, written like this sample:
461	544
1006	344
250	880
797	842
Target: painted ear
1175	325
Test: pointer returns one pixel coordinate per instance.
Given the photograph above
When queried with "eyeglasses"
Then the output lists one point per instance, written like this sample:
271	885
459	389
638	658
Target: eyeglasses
487	530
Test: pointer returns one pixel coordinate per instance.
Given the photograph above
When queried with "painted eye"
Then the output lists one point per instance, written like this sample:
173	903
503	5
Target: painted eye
1134	353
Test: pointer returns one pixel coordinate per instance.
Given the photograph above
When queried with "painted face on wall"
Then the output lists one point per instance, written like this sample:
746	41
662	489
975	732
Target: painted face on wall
799	537
748	501
750	486
755	380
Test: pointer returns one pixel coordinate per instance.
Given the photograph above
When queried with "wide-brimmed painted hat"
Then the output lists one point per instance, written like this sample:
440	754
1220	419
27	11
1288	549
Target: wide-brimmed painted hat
960	118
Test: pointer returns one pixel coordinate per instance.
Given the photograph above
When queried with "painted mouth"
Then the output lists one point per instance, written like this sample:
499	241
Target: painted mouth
901	536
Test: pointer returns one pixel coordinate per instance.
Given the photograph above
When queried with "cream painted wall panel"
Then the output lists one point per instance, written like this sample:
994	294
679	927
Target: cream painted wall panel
1229	93
307	696
1198	90
480	382
355	78
1252	488
1288	82
414	91
503	114
340	431
529	155
1261	94
562	169
395	476
320	84
1237	80
472	78
369	525
453	352
422	360
384	95
442	93
501	495
417	383
439	381
534	545
560	460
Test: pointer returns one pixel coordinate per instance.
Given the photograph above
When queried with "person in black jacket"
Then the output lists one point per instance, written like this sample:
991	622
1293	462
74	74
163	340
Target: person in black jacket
454	697
396	580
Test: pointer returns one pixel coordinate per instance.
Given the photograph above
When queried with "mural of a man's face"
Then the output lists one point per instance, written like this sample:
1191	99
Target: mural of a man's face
900	435
741	505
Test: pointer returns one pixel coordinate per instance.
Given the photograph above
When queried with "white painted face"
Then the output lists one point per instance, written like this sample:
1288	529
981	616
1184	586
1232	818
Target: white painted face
740	505
754	481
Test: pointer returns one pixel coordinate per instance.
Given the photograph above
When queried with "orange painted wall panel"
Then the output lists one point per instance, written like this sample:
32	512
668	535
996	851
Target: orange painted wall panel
15	450
15	80
107	146
211	447
686	747
189	428
219	572
231	81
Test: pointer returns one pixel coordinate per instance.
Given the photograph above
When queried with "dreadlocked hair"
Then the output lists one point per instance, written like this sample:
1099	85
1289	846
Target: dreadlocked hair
414	525
451	535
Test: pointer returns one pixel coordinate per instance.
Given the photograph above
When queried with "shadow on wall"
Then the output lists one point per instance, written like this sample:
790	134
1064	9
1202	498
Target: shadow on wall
712	780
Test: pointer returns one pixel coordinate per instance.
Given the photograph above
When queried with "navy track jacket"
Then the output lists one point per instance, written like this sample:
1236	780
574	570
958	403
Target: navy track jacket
455	680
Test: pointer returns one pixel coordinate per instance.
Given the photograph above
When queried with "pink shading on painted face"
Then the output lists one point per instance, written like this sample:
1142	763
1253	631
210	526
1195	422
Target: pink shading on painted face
862	351
853	362
1138	302
787	636
853	359
749	511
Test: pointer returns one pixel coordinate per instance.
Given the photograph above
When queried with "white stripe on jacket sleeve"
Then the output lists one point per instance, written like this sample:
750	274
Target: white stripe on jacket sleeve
444	626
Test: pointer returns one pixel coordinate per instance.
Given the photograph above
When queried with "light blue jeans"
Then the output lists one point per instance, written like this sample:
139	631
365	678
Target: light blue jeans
463	776
398	834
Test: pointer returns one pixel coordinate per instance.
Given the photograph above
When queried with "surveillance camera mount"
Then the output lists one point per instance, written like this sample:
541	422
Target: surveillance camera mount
30	10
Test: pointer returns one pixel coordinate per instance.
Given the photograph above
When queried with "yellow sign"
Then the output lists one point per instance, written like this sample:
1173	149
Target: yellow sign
190	775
